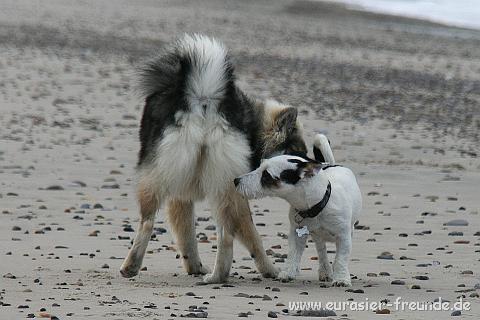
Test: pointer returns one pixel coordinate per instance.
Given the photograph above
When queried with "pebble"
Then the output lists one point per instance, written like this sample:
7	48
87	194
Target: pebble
316	313
457	223
398	282
383	311
54	188
456	313
272	314
386	256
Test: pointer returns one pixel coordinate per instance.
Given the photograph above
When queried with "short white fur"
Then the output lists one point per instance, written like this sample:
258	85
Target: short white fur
335	223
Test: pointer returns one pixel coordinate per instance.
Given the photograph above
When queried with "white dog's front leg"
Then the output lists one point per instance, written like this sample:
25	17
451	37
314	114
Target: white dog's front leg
341	274
325	273
296	245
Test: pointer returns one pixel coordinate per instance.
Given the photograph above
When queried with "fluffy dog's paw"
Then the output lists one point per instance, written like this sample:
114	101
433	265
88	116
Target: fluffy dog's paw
270	272
284	276
211	278
198	270
342	283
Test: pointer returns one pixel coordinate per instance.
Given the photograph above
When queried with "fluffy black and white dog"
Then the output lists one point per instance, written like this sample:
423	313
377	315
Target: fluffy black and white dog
325	201
198	132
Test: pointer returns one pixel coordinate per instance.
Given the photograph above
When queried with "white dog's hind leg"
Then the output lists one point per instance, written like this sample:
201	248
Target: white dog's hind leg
341	274
296	246
325	272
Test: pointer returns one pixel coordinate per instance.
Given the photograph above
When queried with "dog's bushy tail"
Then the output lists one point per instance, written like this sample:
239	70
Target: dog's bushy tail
196	69
322	150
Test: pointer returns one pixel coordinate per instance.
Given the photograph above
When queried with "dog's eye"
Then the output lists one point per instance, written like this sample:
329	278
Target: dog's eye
267	178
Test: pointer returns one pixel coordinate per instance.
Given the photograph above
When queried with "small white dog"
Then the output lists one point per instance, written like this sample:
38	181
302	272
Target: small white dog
325	200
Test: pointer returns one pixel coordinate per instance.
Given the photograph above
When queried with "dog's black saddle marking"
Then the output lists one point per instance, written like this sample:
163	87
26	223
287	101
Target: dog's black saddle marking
316	209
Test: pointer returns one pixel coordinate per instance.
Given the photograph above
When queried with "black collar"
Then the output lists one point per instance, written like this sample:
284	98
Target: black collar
316	209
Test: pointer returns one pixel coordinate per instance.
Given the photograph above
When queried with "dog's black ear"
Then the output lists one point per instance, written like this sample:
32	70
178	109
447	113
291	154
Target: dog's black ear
286	120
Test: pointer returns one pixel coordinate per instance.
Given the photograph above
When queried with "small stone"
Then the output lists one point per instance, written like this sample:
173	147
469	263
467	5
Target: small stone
316	313
457	223
398	282
421	277
272	314
385	256
9	276
242	295
456	313
190	294
456	234
383	311
54	188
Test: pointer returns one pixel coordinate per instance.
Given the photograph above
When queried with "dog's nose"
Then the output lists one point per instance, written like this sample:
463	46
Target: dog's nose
236	181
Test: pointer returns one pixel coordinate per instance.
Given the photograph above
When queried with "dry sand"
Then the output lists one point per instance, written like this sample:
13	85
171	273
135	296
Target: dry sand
398	98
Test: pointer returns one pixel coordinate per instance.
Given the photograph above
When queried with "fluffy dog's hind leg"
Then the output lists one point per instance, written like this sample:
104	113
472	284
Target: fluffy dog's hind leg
242	226
149	205
224	258
182	221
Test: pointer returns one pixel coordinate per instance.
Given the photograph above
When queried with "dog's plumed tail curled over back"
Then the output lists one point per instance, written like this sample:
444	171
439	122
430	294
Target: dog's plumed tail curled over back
196	68
322	150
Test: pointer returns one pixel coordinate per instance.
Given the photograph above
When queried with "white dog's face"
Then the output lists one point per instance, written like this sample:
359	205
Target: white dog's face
282	176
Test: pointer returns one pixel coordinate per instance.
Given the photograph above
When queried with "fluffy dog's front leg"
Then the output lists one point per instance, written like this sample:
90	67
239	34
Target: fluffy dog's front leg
296	246
341	274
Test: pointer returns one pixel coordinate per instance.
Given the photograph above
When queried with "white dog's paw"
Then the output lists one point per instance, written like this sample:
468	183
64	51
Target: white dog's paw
342	283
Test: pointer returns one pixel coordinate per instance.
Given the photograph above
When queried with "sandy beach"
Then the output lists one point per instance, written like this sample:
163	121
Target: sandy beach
399	99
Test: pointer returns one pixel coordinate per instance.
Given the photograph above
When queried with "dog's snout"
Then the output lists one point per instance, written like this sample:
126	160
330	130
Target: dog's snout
236	181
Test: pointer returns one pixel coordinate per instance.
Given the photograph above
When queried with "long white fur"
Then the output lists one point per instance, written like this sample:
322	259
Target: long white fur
212	153
207	80
334	224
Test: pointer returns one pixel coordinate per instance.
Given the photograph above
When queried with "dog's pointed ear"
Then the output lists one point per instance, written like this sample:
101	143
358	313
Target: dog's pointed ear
287	119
